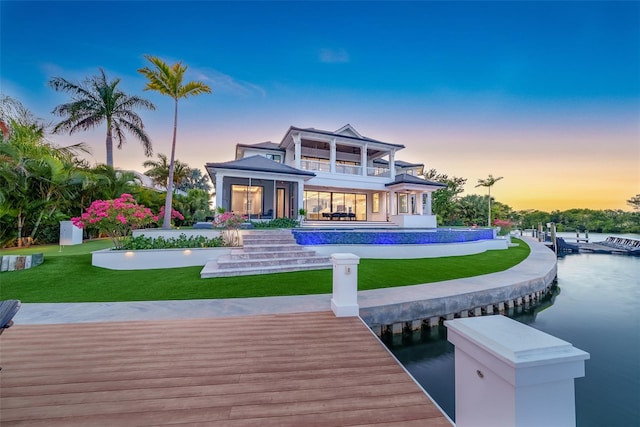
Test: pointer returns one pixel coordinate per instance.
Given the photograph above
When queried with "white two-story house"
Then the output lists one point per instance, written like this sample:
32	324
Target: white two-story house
333	176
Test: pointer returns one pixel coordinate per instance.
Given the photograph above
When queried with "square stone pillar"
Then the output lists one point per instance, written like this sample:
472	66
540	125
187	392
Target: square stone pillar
509	374
344	302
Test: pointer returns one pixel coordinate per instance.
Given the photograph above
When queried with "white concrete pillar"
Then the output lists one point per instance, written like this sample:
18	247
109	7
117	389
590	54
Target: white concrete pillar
392	203
509	374
219	190
298	150
344	302
332	155
392	164
300	196
419	197
363	159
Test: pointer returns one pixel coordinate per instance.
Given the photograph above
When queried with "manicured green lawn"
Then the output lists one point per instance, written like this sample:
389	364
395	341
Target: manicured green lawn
68	276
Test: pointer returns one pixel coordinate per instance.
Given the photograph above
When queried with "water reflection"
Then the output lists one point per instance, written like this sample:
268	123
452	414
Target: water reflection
598	311
429	357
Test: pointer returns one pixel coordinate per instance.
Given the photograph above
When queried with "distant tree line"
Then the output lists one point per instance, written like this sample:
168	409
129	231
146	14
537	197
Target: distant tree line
454	209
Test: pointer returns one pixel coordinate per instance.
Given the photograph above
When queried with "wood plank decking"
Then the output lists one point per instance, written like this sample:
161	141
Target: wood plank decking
309	369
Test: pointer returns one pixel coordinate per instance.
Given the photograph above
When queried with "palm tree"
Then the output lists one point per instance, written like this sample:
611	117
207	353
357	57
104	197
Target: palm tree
98	100
159	171
167	80
489	182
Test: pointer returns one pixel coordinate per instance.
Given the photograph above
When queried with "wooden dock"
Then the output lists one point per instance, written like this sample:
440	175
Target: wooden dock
310	369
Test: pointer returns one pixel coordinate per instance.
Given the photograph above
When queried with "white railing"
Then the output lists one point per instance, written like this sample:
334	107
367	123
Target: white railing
348	169
378	171
315	165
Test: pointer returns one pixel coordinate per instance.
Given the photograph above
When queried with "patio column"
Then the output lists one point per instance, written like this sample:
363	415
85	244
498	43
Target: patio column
420	195
392	202
428	205
363	159
298	150
300	196
392	164
219	190
332	156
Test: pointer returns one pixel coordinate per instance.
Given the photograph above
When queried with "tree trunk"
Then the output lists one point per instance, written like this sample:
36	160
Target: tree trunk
166	223
20	225
109	144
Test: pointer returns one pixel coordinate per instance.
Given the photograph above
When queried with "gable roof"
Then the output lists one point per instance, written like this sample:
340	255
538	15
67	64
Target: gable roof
405	178
346	131
399	163
259	164
267	145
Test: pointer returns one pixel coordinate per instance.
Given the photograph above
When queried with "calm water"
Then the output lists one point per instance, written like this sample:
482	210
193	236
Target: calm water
597	309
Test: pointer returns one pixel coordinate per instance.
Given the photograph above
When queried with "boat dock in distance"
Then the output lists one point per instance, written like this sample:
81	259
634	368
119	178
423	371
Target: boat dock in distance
612	245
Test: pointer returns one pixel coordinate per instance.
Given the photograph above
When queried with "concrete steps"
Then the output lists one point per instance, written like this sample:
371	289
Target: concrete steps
264	252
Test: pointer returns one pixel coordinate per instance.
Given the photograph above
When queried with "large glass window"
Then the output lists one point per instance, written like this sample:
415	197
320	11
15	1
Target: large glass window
327	206
246	200
375	208
403	206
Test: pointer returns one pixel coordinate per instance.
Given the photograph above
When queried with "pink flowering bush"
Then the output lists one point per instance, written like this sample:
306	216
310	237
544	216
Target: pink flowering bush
174	215
504	226
230	222
115	218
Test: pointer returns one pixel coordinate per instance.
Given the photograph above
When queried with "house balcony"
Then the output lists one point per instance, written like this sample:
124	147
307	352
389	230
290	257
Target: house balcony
325	166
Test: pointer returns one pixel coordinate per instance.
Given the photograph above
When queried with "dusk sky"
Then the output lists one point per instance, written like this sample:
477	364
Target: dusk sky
545	94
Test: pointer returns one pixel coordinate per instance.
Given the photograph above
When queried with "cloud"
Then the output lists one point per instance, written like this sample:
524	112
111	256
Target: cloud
333	56
224	83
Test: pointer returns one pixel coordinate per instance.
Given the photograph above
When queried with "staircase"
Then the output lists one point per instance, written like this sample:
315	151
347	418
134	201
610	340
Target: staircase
264	252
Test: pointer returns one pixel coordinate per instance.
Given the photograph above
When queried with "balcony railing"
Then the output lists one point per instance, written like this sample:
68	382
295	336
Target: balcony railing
315	165
325	166
378	171
348	169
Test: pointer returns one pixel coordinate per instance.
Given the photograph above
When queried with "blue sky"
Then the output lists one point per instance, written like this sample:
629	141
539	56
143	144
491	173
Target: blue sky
546	94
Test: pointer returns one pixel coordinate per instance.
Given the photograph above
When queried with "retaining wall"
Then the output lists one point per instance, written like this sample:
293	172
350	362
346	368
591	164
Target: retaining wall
461	297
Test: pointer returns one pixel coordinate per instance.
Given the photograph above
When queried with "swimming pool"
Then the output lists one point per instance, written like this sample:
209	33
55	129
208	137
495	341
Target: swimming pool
314	237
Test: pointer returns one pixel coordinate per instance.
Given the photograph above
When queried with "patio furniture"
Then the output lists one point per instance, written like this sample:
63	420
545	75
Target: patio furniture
8	309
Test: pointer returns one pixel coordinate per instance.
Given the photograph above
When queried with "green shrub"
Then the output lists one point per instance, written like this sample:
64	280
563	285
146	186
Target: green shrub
276	223
182	241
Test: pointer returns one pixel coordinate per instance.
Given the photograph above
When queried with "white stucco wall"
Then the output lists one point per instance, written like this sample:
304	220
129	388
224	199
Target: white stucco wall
415	221
431	250
155	258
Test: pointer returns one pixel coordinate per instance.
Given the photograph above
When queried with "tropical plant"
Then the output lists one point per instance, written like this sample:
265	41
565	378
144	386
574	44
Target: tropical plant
168	80
98	100
194	180
115	218
230	223
489	182
36	178
504	224
634	202
445	200
160	171
182	241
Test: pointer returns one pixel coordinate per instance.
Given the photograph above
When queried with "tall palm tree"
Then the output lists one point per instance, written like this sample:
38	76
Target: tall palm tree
168	80
489	182
98	100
